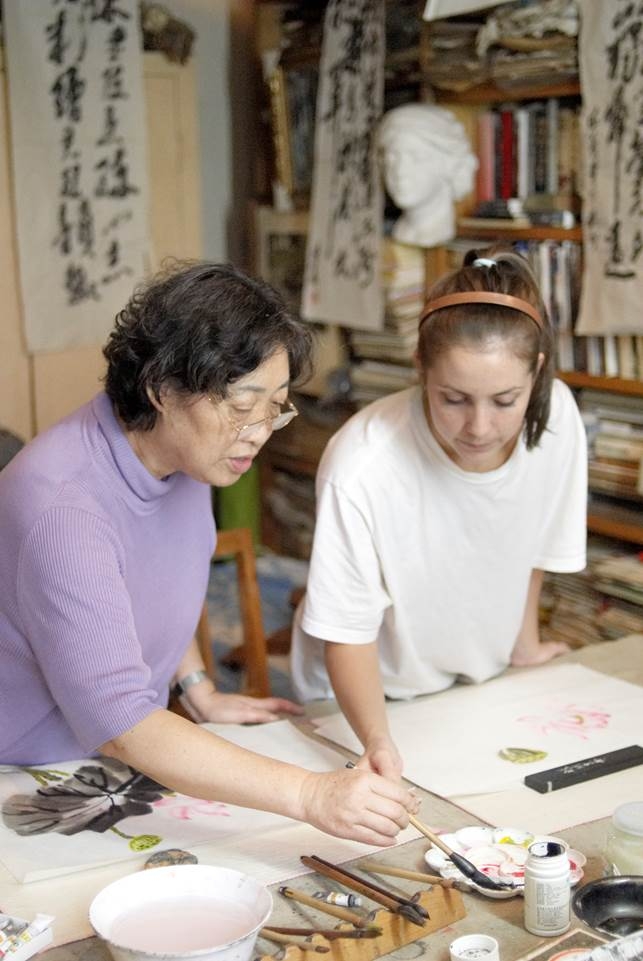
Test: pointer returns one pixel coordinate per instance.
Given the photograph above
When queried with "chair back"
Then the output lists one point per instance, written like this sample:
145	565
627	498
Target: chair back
238	543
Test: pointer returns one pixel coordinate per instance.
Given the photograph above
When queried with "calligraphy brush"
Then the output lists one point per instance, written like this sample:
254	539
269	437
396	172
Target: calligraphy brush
404	906
331	934
342	913
376	868
466	867
280	938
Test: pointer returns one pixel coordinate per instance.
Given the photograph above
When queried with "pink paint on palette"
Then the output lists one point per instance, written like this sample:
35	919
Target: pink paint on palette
570	719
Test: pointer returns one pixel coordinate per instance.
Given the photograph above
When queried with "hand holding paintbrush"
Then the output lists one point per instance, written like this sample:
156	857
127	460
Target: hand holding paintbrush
466	867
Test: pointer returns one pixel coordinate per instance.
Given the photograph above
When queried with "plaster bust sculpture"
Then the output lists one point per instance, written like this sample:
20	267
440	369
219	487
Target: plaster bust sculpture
427	163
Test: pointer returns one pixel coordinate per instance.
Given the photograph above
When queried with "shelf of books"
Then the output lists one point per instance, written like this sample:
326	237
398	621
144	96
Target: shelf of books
612	520
491	93
492	228
614	385
614	425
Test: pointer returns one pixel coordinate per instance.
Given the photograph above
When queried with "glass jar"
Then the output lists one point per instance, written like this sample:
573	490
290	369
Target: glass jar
624	847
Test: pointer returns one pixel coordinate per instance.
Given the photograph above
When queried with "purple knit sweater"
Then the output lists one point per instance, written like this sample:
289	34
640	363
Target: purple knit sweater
103	571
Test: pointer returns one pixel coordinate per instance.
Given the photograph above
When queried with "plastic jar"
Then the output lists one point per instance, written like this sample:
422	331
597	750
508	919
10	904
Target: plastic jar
624	848
547	889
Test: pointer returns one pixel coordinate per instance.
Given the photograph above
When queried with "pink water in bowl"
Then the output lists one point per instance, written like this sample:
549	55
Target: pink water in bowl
182	924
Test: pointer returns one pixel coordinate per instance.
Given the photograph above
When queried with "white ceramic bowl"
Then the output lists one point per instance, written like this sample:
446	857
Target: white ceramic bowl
187	911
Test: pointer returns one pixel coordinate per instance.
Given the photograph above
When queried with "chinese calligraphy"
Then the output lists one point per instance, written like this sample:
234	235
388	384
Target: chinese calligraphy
79	124
343	250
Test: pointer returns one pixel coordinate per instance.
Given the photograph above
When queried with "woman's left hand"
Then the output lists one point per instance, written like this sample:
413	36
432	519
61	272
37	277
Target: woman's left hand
242	709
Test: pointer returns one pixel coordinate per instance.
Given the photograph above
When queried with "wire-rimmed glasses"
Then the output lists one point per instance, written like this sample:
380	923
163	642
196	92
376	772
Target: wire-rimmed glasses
287	412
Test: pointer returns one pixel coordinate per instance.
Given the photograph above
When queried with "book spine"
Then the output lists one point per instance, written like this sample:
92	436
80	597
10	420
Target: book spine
522	152
610	351
618	448
540	150
626	357
551	111
507	154
485	177
567	130
497	141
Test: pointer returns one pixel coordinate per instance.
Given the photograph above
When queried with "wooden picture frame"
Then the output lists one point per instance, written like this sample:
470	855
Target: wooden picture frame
293	99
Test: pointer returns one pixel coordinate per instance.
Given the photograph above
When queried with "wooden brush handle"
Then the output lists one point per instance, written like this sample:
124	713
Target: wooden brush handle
350	881
343	913
434	838
376	868
280	938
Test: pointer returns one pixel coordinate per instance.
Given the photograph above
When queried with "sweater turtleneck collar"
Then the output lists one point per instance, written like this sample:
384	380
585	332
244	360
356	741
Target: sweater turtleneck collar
136	476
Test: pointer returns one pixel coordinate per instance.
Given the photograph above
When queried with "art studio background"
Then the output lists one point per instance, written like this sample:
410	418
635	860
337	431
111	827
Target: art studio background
227	171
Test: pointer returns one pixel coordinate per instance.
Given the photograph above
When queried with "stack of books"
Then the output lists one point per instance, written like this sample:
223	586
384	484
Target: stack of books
614	426
621	576
586	608
382	360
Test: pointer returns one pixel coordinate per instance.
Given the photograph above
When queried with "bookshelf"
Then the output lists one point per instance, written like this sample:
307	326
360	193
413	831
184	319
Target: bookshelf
612	385
609	514
488	232
280	240
490	94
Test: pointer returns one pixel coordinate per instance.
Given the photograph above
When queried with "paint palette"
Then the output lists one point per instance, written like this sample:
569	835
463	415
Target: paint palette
500	853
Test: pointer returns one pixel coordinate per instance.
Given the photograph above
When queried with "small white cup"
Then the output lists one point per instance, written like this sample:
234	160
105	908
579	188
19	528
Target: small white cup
474	947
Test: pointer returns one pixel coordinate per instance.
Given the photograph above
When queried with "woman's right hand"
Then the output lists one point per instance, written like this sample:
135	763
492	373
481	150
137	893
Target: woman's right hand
357	804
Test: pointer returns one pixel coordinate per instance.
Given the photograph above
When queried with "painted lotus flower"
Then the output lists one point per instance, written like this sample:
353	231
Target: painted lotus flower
94	798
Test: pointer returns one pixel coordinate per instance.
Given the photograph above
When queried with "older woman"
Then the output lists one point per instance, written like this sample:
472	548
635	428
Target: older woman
107	535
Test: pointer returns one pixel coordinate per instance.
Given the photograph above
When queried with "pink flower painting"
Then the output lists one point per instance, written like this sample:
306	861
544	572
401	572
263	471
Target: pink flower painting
570	719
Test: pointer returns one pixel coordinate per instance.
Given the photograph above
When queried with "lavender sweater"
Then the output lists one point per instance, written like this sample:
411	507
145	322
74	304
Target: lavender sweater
103	571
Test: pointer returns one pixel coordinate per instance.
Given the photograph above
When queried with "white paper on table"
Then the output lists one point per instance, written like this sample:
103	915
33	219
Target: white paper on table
268	846
450	741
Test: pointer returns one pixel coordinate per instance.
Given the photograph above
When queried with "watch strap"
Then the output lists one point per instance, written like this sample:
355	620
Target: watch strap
185	683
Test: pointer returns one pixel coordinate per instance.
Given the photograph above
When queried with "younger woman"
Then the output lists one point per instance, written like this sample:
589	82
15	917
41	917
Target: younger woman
440	507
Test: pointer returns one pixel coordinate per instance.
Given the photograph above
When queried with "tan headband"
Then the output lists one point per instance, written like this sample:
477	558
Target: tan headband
483	297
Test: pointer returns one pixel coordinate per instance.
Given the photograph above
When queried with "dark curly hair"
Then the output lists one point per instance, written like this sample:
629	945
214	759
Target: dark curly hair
197	327
476	324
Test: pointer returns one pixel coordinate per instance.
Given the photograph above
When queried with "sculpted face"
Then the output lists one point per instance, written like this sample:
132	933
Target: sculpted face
412	171
424	150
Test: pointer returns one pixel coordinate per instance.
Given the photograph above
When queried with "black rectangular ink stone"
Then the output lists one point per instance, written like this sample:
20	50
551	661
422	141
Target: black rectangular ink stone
585	770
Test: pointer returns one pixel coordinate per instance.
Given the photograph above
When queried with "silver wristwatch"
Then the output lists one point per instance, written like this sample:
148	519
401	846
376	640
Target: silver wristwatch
189	681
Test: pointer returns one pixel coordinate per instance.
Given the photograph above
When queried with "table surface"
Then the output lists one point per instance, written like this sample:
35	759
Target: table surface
502	920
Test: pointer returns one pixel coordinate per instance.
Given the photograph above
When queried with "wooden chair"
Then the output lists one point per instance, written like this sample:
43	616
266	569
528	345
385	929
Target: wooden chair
252	655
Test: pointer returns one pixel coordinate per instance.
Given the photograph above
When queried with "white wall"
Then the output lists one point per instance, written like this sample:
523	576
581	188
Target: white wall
222	53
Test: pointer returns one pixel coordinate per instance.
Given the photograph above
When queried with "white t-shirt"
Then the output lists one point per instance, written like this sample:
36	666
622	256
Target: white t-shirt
433	561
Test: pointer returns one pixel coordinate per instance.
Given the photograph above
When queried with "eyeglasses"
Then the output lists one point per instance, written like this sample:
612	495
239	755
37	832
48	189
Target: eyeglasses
287	413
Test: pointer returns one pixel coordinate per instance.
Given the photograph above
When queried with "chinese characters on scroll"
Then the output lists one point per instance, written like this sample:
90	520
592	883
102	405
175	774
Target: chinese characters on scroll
79	164
611	63
342	282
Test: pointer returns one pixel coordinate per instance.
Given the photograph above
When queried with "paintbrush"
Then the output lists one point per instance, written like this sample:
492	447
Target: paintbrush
331	934
280	938
376	868
404	906
343	913
468	869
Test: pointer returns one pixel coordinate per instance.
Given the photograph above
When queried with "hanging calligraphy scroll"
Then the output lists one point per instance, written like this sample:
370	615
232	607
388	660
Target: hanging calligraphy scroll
342	275
79	165
611	70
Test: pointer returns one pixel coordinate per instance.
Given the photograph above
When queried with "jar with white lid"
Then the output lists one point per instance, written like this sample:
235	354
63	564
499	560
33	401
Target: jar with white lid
624	847
547	889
